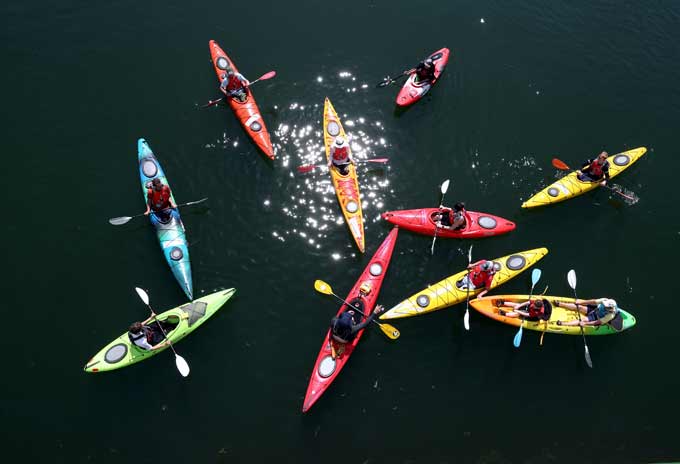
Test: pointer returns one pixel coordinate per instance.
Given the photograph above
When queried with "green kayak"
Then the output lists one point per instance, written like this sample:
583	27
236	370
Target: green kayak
122	352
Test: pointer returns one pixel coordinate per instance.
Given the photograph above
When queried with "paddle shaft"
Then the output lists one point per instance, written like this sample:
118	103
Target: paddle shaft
436	224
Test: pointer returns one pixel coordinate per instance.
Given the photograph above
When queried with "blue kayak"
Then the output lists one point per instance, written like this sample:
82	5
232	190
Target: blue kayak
170	233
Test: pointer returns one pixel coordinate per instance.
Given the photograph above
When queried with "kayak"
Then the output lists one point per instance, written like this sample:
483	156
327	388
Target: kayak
346	187
569	186
171	234
477	225
446	293
326	369
247	112
121	352
486	306
413	91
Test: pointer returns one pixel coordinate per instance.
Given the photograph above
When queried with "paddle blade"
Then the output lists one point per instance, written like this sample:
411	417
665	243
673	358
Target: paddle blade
182	365
535	276
518	338
588	360
143	295
212	103
119	221
268	75
389	330
195	202
571	278
377	160
445	186
385	82
470	255
561	165
322	287
541	341
306	168
466	319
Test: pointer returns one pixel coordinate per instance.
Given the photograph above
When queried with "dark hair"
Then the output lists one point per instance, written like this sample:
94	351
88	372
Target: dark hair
135	327
459	206
538	304
156	181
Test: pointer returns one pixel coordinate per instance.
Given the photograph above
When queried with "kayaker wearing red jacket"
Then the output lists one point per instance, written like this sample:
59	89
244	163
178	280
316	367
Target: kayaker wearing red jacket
159	199
538	309
596	169
340	155
234	84
480	276
598	312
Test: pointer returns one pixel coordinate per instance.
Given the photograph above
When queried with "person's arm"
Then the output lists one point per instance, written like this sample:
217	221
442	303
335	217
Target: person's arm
362	325
170	200
470	266
148	204
149	318
605	171
161	344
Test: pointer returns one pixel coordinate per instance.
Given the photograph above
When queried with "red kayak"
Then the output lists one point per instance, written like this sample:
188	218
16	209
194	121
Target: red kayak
326	369
477	225
247	111
412	91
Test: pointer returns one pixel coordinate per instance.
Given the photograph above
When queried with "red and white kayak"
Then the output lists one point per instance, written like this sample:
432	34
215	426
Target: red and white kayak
412	91
326	369
477	225
247	111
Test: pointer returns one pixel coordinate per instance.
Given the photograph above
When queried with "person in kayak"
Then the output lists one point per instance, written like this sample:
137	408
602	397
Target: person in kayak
159	199
595	170
452	219
425	71
150	337
480	276
598	312
340	155
235	84
344	328
532	310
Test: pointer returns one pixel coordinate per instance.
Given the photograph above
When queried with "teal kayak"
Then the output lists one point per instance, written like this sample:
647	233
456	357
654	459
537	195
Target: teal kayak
171	234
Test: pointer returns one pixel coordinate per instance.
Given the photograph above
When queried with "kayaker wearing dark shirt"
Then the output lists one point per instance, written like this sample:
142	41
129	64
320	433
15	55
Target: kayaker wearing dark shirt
345	327
597	312
595	170
425	71
159	199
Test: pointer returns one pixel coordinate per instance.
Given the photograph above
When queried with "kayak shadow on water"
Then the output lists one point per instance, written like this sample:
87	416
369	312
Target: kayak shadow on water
400	110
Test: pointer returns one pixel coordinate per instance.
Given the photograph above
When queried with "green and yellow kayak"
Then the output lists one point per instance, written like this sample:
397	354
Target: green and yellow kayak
487	306
122	352
569	186
446	293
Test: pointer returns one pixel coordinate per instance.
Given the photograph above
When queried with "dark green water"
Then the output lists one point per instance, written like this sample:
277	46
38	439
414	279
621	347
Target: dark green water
83	80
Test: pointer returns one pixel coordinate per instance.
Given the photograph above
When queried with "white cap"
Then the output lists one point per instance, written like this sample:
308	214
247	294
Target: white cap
339	140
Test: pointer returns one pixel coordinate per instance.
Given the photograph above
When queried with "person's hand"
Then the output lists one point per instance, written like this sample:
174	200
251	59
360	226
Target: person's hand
146	213
379	309
603	183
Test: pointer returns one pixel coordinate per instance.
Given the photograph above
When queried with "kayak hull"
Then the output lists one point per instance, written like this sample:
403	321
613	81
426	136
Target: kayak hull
326	369
246	112
570	186
346	187
477	225
446	293
171	235
413	91
121	352
486	306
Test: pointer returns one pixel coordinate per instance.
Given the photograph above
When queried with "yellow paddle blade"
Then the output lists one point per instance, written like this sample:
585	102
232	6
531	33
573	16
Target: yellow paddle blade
389	330
322	287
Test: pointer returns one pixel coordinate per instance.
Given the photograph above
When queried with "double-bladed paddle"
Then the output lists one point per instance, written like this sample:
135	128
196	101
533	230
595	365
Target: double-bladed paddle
571	278
444	188
310	167
263	77
535	276
118	221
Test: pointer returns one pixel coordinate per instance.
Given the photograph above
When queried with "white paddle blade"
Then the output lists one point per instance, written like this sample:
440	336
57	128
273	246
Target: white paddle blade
182	365
588	360
535	276
143	295
571	278
119	221
445	186
470	255
466	320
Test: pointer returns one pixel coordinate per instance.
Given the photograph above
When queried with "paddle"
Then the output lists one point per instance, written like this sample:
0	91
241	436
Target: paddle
263	77
444	188
389	330
571	278
119	221
391	80
562	166
310	167
180	362
535	276
466	318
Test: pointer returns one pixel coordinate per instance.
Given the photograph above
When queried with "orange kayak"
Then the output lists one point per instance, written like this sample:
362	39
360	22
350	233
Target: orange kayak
247	111
346	187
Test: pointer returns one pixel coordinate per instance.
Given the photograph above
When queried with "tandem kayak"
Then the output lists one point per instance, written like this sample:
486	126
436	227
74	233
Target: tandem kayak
412	91
570	186
247	112
477	225
171	234
486	306
446	293
122	352
346	187
326	369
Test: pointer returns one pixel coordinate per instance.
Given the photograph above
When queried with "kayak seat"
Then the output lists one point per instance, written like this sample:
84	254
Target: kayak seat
194	310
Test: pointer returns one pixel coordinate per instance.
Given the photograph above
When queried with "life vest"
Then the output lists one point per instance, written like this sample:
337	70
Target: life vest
603	315
159	199
446	217
340	155
234	83
479	276
535	312
596	170
145	334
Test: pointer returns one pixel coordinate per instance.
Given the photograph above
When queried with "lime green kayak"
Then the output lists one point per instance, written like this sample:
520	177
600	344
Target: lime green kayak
121	352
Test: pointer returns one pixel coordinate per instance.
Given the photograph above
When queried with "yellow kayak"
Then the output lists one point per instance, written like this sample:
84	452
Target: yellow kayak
346	187
487	306
569	186
445	293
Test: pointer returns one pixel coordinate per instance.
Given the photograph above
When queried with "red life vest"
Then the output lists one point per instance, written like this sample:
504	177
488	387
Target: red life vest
595	170
159	199
534	311
479	276
234	82
340	154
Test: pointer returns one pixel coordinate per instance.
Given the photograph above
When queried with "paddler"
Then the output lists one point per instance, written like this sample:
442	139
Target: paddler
149	337
451	219
425	71
598	312
531	310
159	199
340	155
234	84
344	327
480	276
596	170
